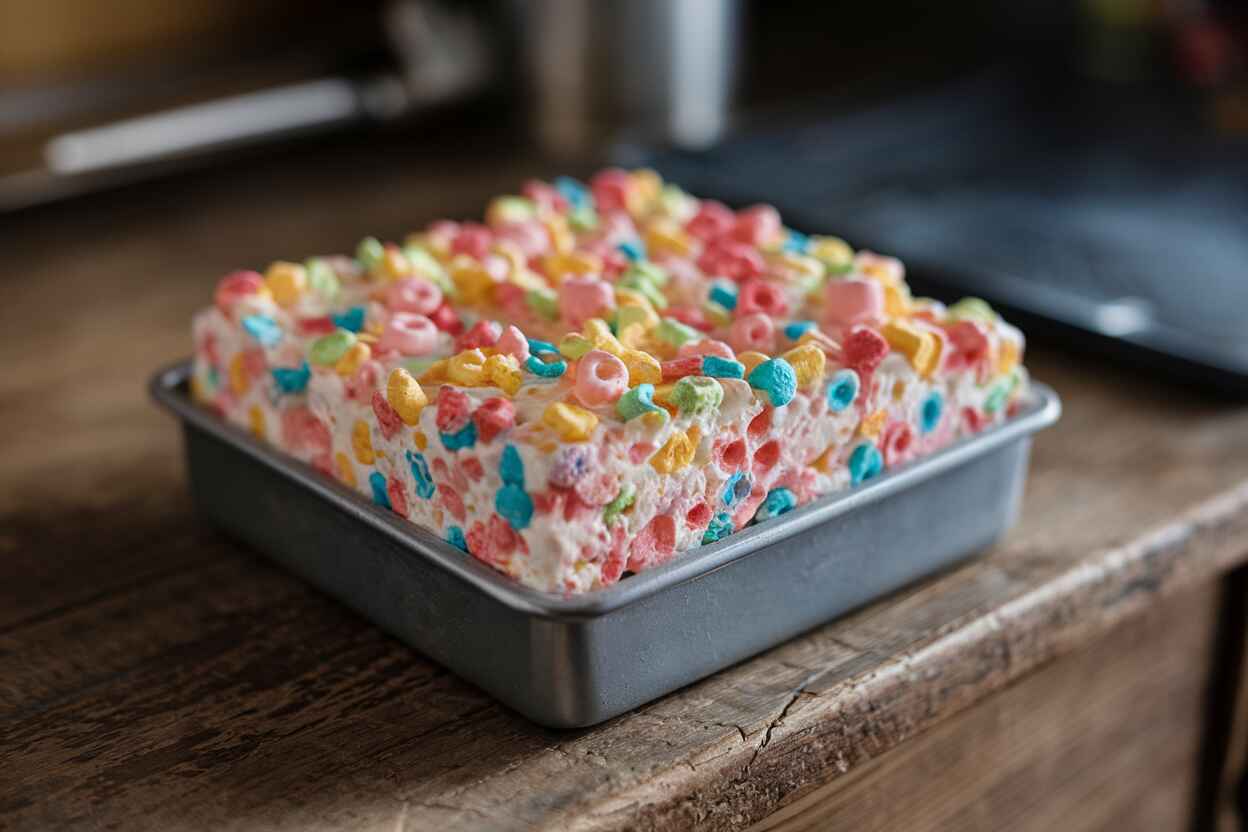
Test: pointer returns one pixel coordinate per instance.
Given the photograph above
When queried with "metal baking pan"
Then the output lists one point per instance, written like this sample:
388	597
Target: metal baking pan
571	661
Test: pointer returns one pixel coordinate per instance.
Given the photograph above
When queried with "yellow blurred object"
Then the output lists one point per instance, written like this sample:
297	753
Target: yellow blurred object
357	354
286	281
677	452
572	423
362	442
918	346
405	395
808	362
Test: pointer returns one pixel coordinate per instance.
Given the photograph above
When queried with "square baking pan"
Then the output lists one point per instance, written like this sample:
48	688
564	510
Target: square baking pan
571	661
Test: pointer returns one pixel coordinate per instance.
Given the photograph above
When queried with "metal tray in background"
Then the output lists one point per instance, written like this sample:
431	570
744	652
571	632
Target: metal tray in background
571	661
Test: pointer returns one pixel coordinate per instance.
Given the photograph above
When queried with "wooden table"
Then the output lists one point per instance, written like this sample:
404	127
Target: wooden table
154	675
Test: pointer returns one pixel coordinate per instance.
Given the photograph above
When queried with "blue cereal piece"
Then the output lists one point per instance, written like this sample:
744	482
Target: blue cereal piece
552	369
264	329
778	501
865	462
716	367
292	379
931	411
465	437
724	293
843	390
378	483
541	347
796	242
420	474
634	250
796	329
455	537
514	505
777	379
577	195
511	467
352	320
719	528
737	488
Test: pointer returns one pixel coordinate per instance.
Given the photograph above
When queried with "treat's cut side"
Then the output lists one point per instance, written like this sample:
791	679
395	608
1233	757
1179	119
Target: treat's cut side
600	376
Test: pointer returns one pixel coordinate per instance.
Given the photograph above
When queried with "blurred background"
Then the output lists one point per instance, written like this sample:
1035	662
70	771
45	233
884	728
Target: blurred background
1082	163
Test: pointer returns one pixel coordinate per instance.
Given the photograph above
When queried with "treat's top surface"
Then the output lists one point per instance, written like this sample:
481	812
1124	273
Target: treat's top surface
599	376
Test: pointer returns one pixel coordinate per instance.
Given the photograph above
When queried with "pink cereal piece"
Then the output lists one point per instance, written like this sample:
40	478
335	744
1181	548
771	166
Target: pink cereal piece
690	316
255	362
732	259
699	517
712	220
484	333
654	544
364	380
582	298
690	365
756	225
970	344
236	286
897	442
601	378
472	467
454	409
303	432
409	334
754	331
641	451
447	319
761	296
545	196
512	342
452	502
322	325
413	294
848	302
707	346
397	495
494	416
388	418
530	237
472	239
610	189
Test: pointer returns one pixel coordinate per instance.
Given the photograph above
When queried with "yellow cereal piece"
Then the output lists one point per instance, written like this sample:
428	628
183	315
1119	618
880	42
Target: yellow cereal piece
571	264
918	346
1007	357
871	426
654	419
561	237
832	250
897	301
198	392
664	236
474	284
504	372
420	440
527	279
663	397
286	282
362	442
824	461
647	184
435	373
794	266
716	314
599	334
820	339
255	420
808	362
346	470
899	390
394	265
676	453
240	382
643	368
405	395
634	308
751	359
467	368
353	358
571	422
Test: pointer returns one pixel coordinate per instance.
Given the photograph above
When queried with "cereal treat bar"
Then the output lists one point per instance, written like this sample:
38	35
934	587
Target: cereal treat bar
600	376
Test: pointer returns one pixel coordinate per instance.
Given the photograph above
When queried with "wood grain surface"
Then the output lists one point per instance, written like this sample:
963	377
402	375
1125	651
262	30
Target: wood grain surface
154	675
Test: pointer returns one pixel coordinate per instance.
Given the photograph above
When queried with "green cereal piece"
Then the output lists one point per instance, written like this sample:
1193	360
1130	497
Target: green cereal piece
637	401
675	202
544	302
370	252
640	280
673	332
697	394
327	349
321	278
972	309
427	266
417	366
612	510
515	208
572	346
583	218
